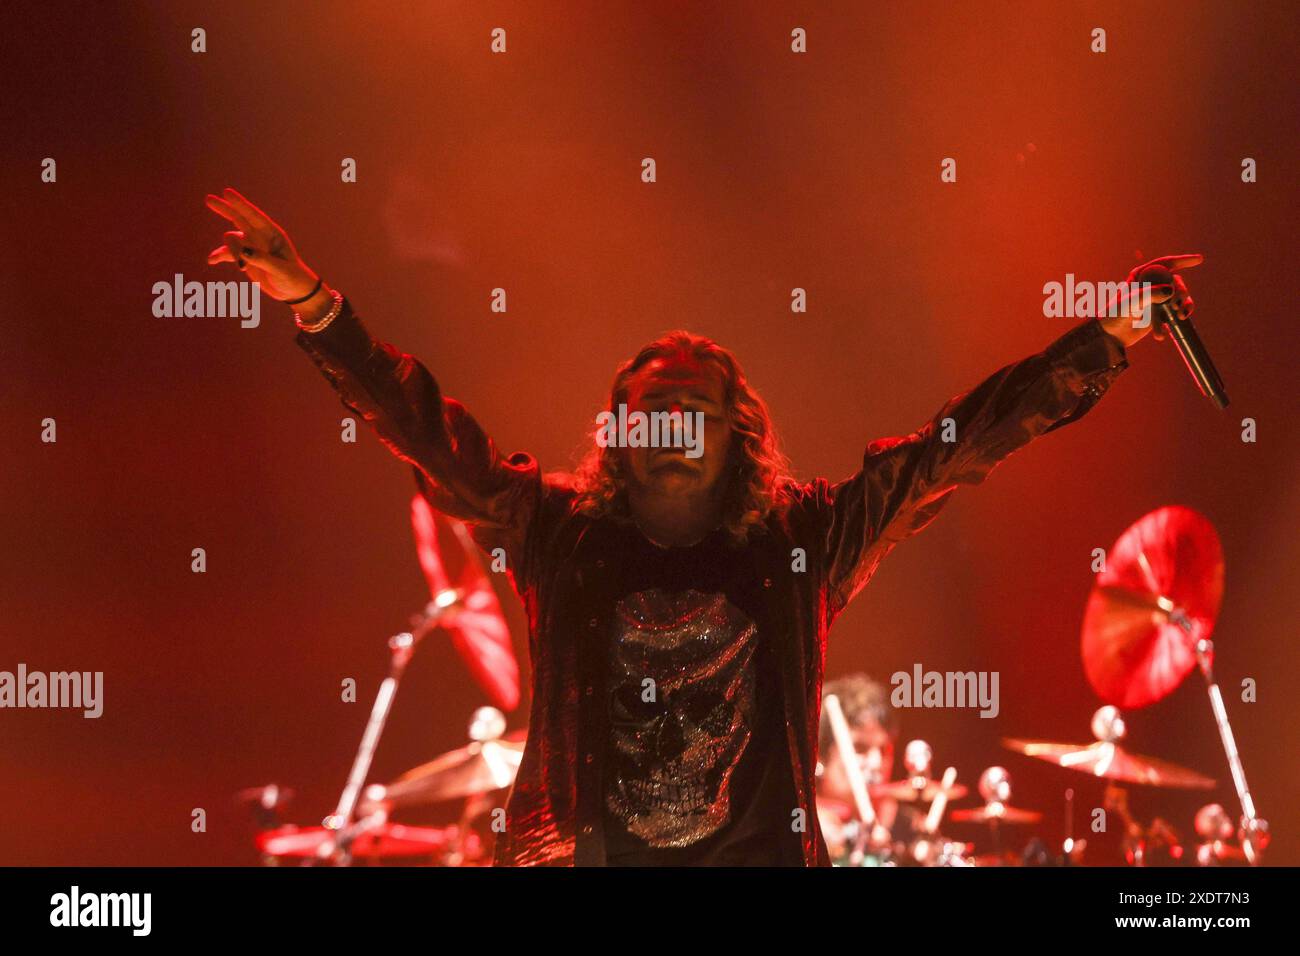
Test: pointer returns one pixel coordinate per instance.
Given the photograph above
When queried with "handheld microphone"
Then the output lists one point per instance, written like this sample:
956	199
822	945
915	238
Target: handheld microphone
1195	356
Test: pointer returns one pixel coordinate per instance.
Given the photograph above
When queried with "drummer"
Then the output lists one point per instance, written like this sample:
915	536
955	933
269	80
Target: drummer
873	726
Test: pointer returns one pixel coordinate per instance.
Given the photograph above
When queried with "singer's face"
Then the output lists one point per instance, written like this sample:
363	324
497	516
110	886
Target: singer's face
696	390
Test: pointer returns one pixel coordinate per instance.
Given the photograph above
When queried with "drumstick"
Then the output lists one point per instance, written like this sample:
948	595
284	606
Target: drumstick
849	757
940	801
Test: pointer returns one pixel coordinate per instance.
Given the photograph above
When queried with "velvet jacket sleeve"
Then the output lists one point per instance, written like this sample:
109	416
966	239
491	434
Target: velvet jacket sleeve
457	466
904	482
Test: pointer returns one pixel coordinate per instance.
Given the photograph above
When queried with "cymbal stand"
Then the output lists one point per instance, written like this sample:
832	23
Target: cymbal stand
1254	830
401	649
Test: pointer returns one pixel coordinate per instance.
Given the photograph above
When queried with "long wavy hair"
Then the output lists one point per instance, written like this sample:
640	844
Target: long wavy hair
756	471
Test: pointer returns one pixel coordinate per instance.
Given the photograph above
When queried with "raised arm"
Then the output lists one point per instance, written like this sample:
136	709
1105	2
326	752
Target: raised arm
457	465
904	482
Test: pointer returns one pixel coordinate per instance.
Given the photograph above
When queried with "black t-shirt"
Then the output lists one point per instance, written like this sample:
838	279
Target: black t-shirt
697	767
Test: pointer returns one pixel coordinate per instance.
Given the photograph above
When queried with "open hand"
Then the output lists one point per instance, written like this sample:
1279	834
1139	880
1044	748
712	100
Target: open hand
259	247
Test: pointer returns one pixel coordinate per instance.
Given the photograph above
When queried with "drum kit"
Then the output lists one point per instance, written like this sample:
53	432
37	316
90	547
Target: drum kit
475	775
360	830
1147	626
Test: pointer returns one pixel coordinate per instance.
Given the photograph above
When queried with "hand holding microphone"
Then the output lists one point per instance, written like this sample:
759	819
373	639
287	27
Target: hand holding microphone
1164	306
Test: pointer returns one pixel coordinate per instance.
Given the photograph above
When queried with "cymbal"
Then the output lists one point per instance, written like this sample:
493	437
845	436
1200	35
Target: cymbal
904	792
1159	594
999	812
1112	762
386	840
478	628
480	767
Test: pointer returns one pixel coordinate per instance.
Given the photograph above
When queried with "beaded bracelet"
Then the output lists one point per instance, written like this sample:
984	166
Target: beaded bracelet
329	316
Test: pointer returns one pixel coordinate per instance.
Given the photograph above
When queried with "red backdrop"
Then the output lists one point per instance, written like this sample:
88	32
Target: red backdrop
775	171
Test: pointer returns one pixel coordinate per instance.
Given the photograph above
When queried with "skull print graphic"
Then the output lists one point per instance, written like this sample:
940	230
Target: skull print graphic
682	712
